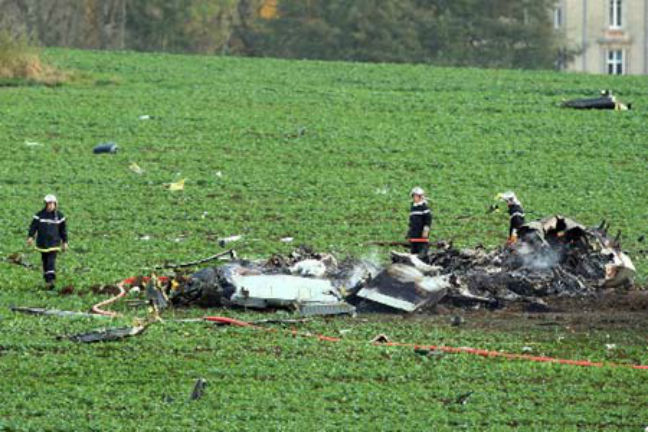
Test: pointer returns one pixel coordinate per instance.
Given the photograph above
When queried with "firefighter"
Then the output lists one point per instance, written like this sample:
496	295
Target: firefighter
516	214
51	237
420	220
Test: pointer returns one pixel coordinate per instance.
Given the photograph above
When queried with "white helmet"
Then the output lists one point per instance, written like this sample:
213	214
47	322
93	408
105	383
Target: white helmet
417	191
509	197
50	198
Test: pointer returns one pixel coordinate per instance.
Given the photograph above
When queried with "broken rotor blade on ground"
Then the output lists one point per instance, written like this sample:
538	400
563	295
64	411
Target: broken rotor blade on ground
229	252
106	335
54	312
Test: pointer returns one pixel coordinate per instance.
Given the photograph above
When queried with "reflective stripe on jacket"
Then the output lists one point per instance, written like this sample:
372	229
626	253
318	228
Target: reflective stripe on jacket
50	229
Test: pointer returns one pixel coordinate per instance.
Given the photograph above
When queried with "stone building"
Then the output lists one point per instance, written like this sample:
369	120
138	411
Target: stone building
611	36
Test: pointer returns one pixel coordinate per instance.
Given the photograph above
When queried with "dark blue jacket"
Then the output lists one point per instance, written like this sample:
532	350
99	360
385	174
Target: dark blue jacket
516	214
50	228
420	217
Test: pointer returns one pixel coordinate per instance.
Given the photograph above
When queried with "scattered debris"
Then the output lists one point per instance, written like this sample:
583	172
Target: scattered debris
309	267
405	288
107	289
287	240
456	321
18	259
176	186
266	321
462	399
106	335
231	253
605	101
144	117
429	352
53	312
198	389
340	308
136	168
554	256
67	290
379	339
107	147
231	239
156	296
381	190
263	285
33	144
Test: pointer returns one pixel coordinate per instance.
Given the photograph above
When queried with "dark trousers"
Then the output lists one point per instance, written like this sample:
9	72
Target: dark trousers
49	264
420	249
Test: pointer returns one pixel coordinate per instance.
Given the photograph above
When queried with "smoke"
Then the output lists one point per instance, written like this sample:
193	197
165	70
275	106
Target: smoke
365	269
372	258
542	258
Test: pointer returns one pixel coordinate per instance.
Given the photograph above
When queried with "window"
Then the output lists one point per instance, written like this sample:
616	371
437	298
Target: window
558	18
616	14
615	62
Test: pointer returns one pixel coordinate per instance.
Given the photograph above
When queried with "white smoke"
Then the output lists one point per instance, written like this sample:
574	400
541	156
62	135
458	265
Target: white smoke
538	258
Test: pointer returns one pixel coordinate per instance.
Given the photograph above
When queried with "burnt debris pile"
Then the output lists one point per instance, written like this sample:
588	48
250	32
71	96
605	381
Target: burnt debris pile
555	256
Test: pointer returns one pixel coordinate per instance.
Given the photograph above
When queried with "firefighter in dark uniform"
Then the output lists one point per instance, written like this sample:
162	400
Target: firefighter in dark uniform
51	237
516	214
420	220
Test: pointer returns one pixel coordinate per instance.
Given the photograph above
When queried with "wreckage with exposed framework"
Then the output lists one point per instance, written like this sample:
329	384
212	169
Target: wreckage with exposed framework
555	256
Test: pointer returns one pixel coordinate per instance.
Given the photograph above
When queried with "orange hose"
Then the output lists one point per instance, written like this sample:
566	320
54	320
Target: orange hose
98	307
447	349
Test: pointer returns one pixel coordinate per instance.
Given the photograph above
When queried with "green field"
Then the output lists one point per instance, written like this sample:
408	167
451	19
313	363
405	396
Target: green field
326	153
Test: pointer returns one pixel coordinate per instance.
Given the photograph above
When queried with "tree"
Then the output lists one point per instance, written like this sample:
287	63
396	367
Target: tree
501	33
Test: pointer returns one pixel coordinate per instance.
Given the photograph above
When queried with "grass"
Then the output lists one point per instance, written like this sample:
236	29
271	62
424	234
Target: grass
325	153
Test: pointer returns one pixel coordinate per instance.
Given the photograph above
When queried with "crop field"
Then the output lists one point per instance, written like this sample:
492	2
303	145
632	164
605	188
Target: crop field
326	153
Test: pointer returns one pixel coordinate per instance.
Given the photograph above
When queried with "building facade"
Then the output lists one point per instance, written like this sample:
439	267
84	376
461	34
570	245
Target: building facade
610	36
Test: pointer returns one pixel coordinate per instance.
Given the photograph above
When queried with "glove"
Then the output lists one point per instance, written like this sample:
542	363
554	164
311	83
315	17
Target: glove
426	232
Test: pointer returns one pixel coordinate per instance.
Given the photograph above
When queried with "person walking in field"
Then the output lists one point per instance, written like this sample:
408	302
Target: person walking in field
420	219
516	214
50	229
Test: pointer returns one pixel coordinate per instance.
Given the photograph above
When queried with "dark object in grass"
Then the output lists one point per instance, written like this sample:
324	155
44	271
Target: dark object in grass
606	101
107	147
262	321
537	306
230	252
19	259
53	312
156	296
456	321
199	389
426	352
106	335
462	399
67	290
379	339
